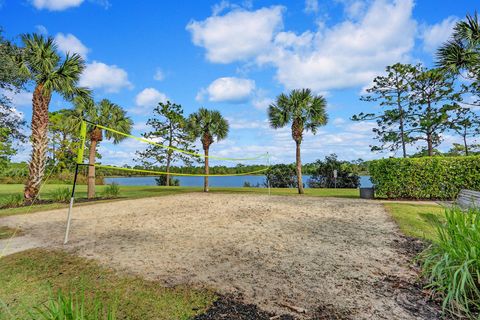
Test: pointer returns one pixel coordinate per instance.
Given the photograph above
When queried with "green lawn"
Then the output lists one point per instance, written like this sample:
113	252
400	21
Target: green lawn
133	192
416	220
28	279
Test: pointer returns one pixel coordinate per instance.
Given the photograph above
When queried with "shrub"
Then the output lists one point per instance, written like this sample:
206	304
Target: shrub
281	176
322	174
12	201
247	184
72	307
425	178
111	191
61	194
14	175
452	264
162	181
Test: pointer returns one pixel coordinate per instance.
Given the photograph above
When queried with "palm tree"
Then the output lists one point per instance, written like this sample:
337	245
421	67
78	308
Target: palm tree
107	114
462	51
207	125
41	63
304	111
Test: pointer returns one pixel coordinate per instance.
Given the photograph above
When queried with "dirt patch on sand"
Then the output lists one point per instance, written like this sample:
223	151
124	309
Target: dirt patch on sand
322	256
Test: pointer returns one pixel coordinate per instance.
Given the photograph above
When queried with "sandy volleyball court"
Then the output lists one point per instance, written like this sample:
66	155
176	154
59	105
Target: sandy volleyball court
276	252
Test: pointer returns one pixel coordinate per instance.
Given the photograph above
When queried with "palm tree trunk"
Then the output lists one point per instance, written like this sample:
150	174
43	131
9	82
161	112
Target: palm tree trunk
205	179
299	168
39	140
95	138
91	169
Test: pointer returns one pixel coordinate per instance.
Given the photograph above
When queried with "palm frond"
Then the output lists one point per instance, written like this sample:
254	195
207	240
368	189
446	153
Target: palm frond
462	51
300	105
209	122
453	57
468	30
278	117
65	78
40	55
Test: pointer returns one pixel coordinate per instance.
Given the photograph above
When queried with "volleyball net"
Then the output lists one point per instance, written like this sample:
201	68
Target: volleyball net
264	157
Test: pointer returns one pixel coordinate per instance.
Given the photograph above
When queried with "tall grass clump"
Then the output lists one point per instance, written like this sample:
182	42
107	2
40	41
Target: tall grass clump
452	263
111	191
72	307
61	194
12	201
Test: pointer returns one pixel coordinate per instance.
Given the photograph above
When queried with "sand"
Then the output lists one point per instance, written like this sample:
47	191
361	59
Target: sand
274	251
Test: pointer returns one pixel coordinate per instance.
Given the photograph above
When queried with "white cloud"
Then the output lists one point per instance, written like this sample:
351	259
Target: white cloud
104	3
311	6
56	5
353	8
262	103
237	35
228	89
347	145
361	126
159	75
339	122
140	126
20	99
147	99
120	154
435	35
41	29
110	78
68	43
14	113
347	54
220	7
236	123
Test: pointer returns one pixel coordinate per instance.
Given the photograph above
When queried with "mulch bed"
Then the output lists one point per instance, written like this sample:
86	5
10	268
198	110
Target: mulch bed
408	294
228	307
411	295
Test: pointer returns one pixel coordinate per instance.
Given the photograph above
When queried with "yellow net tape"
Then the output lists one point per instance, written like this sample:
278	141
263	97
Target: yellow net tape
179	174
83	135
179	150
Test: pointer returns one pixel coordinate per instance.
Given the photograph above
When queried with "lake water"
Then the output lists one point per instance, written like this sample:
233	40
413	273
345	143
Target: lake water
228	181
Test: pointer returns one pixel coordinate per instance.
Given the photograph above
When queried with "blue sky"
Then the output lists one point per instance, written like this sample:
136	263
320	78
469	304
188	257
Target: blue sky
236	57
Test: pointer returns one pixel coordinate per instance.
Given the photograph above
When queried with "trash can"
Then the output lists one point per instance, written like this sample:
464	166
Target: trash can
367	193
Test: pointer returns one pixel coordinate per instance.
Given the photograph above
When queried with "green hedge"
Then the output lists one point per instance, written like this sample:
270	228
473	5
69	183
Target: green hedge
425	178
